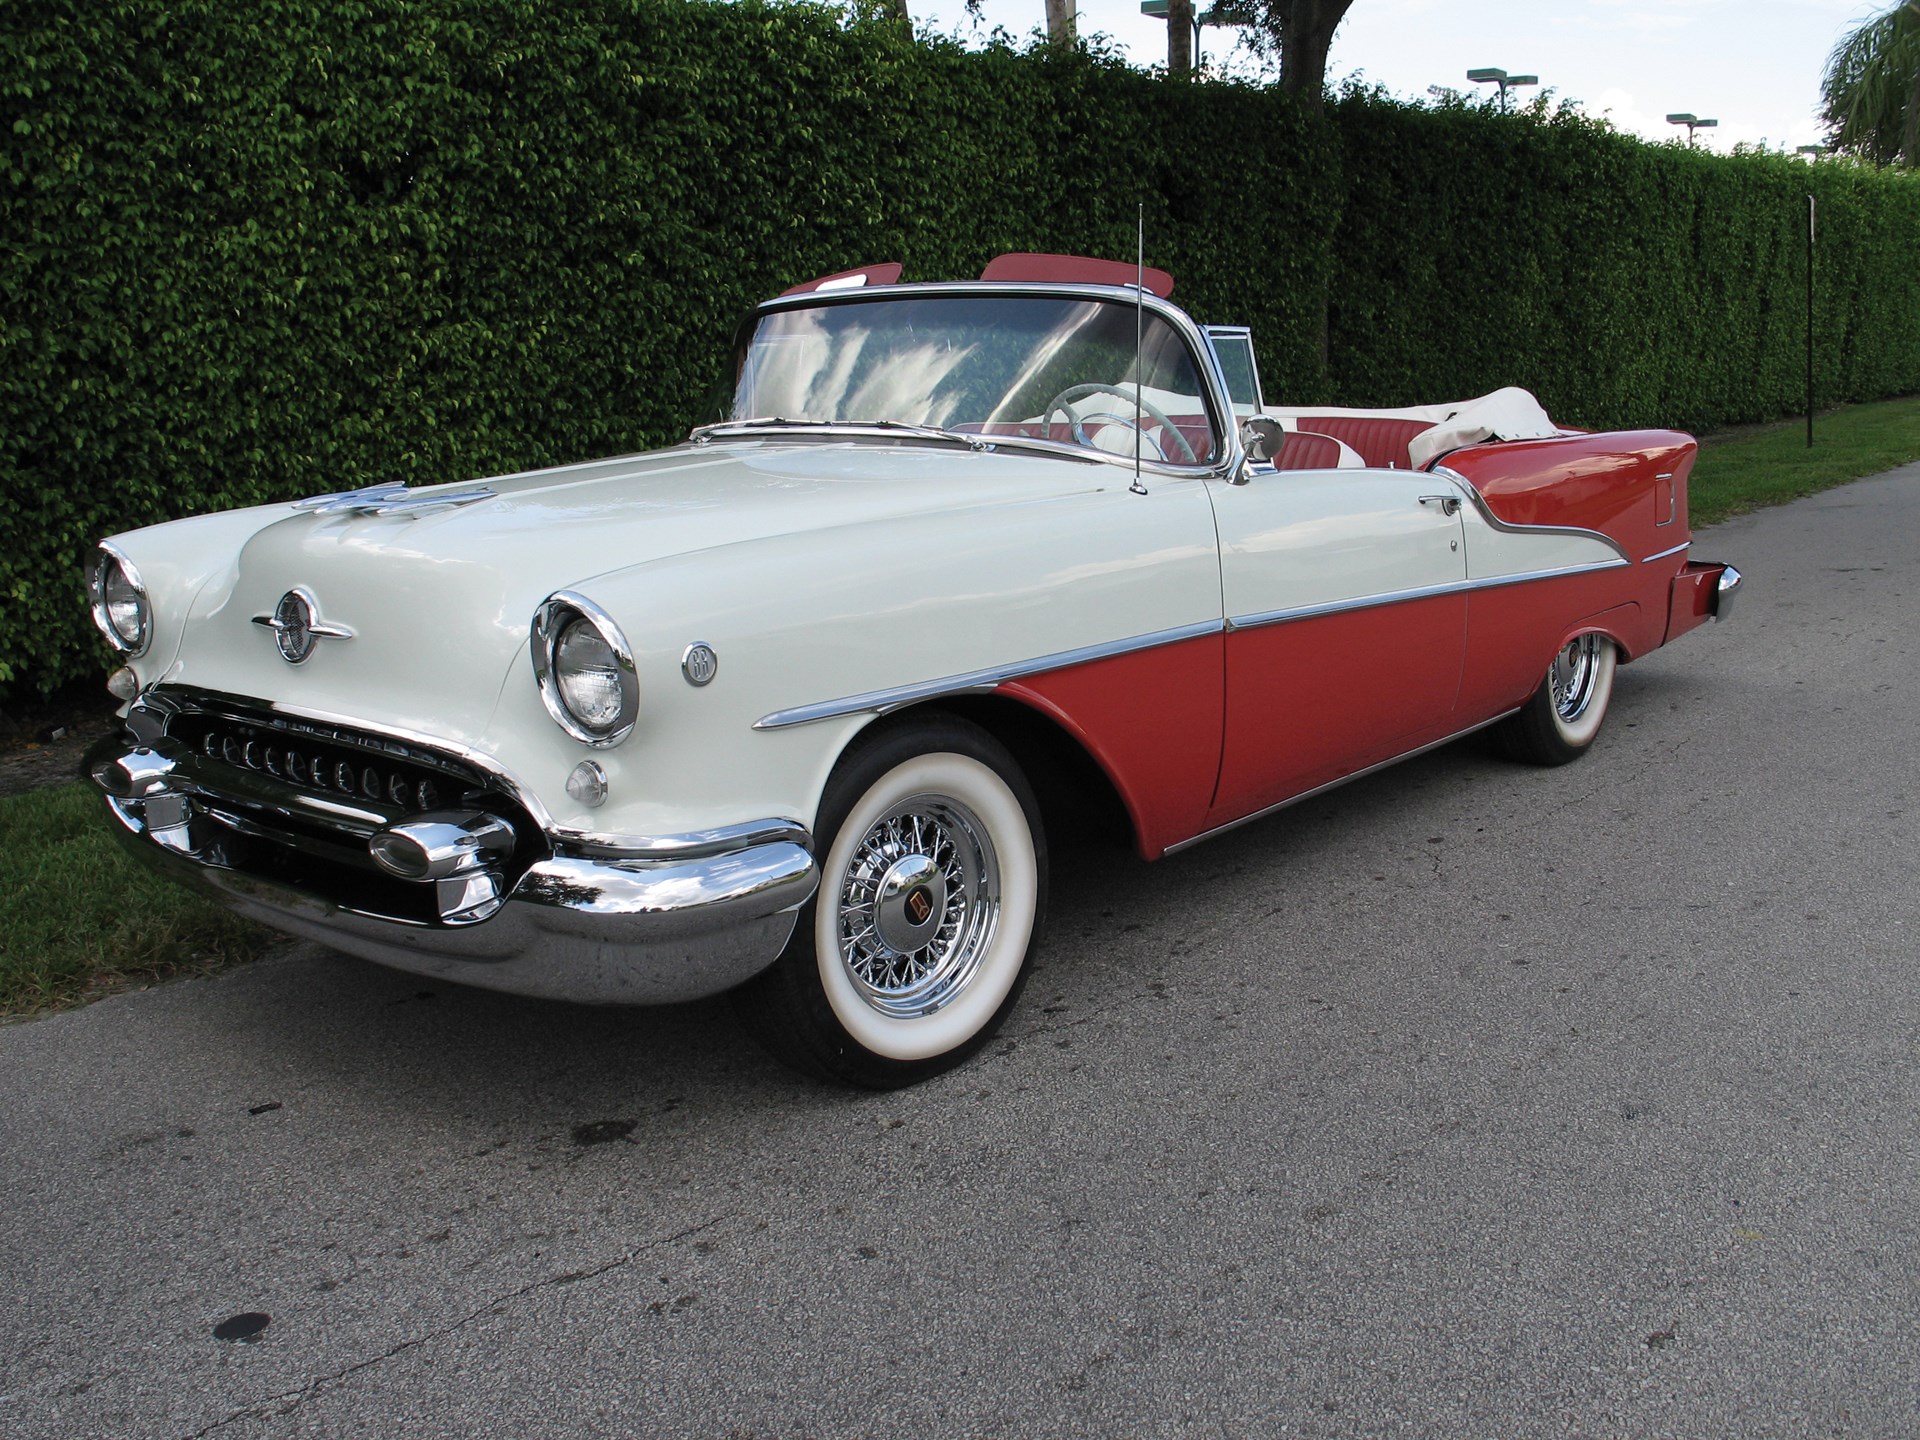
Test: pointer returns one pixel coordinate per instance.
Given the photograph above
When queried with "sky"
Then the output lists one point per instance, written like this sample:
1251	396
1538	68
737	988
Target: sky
1754	65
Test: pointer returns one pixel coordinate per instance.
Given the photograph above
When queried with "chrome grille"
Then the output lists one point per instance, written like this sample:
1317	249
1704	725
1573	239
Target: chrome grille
325	762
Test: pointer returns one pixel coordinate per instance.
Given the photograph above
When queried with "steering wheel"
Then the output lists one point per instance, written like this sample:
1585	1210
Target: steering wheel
1064	400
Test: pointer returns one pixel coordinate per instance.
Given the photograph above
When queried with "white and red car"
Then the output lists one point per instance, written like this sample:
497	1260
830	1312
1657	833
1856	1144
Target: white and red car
777	708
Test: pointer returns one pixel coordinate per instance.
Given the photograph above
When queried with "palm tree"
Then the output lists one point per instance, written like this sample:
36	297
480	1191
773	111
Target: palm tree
1872	88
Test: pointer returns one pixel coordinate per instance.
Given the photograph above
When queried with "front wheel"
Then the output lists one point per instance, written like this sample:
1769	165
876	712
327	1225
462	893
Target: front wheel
932	886
1559	722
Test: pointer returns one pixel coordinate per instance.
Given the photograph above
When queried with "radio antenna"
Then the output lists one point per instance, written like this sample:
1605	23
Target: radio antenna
1139	323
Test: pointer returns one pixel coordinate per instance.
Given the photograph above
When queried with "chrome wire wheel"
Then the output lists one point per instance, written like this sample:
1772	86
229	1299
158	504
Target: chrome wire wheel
1559	721
931	889
918	905
1573	677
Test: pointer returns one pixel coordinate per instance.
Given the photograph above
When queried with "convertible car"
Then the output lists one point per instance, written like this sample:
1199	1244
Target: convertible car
788	709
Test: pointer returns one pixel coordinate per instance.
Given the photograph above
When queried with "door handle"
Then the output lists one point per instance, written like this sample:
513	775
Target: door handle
1449	504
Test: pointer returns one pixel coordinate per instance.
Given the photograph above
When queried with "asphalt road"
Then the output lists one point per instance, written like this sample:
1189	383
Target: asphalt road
1472	1100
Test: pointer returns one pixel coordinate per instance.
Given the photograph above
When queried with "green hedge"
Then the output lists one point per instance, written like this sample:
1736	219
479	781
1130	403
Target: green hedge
1623	283
255	249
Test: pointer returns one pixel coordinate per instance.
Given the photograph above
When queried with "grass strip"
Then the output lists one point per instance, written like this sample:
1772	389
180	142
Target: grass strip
80	919
1771	464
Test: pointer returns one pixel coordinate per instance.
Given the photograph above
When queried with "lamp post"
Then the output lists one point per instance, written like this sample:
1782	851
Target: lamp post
1157	10
1693	123
1491	76
1812	152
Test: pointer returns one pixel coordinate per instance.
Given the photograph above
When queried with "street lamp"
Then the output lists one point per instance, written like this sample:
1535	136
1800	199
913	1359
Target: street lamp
1812	152
1693	123
1157	10
1503	80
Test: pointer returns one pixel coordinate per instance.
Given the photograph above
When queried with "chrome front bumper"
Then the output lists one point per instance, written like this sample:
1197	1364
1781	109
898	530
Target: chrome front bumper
681	918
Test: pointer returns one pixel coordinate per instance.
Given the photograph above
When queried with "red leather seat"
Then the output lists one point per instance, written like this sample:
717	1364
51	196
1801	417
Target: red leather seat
1379	440
1304	451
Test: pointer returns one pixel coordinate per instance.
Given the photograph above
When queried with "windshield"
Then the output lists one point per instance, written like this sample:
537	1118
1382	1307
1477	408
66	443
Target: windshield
1033	367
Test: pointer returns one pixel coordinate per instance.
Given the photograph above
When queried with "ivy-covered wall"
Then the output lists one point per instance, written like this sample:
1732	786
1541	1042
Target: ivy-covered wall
253	249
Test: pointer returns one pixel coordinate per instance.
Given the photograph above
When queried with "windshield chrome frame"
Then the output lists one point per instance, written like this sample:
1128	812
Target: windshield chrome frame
1225	465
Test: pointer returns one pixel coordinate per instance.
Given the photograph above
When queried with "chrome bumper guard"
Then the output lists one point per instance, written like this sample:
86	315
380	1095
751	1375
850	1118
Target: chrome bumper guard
465	895
1724	592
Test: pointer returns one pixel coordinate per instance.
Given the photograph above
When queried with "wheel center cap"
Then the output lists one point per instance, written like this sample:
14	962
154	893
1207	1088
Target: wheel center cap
910	903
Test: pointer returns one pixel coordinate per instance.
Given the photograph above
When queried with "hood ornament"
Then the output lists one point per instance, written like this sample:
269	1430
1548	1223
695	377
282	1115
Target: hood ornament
297	626
391	499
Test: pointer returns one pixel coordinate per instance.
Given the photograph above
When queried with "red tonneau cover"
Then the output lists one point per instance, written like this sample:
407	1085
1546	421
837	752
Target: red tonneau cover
1076	270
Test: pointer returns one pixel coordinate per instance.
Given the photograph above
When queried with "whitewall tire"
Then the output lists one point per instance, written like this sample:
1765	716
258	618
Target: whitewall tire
1564	715
932	887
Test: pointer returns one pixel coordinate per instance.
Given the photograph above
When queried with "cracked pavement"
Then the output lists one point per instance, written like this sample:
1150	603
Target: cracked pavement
1469	1100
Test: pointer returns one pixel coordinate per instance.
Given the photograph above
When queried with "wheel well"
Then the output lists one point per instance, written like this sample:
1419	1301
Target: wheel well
1076	795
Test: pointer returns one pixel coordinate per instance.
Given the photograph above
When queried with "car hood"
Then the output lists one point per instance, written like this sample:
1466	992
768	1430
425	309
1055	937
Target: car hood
438	601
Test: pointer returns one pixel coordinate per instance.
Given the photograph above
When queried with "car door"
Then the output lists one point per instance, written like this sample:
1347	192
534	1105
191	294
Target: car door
1346	611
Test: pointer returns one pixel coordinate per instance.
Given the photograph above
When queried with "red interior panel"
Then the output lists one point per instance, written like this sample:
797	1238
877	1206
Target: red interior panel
1380	441
1302	451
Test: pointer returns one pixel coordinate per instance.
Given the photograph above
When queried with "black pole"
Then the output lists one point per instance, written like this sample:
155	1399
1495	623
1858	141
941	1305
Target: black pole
1810	219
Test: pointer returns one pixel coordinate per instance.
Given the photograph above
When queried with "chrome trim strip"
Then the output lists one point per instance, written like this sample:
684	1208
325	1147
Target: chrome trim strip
829	431
1425	592
694	845
1495	522
976	680
1670	550
1174	849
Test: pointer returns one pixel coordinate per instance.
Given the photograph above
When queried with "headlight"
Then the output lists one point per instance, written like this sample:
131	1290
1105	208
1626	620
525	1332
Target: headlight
585	669
120	606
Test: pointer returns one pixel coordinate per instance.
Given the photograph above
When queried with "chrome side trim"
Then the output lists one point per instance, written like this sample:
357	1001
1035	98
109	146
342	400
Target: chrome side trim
896	696
1401	597
1495	522
1174	849
1669	551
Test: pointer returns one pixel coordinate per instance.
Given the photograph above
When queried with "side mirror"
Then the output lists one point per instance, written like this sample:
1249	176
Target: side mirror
1262	439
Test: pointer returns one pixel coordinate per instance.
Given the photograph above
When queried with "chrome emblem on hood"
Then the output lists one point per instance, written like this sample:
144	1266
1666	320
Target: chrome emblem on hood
700	664
297	626
392	498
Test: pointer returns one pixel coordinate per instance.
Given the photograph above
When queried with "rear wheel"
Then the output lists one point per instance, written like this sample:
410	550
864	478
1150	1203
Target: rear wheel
1561	719
932	886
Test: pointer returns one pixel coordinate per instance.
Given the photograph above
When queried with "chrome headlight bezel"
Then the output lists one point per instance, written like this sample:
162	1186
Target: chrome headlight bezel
558	611
106	561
